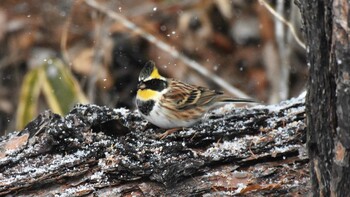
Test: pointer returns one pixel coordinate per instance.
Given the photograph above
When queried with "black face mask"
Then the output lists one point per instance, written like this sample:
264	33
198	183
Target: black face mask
153	84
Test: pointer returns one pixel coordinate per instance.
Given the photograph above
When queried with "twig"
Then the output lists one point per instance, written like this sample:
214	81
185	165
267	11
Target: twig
164	46
284	53
64	37
281	18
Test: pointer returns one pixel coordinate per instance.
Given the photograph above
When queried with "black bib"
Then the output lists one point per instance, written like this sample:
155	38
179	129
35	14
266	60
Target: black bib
145	107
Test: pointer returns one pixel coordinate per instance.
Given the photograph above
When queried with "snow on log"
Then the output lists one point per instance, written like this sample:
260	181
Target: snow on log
102	151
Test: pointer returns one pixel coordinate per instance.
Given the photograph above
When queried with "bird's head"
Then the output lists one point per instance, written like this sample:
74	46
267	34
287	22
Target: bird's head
150	83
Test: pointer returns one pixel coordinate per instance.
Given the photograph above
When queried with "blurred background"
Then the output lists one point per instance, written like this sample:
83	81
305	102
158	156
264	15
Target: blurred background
55	54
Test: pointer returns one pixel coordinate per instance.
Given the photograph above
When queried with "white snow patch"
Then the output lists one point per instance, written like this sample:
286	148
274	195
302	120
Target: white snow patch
81	153
283	104
240	187
223	109
220	193
36	170
122	111
284	149
69	124
97	176
302	95
281	149
190	131
339	61
227	147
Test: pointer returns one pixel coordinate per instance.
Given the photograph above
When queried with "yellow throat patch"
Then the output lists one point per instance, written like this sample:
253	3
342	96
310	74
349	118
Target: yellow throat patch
147	94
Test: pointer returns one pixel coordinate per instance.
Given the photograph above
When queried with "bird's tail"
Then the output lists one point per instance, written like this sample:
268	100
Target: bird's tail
236	100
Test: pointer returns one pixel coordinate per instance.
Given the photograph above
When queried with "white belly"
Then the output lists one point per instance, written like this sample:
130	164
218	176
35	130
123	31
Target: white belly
161	120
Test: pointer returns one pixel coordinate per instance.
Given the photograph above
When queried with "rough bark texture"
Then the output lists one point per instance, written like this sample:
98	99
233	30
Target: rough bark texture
100	151
326	27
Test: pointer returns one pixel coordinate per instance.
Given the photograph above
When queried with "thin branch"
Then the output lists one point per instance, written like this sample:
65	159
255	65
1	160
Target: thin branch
281	18
165	47
64	36
284	53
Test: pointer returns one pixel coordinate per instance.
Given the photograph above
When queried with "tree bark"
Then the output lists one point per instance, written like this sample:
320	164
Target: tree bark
326	28
100	151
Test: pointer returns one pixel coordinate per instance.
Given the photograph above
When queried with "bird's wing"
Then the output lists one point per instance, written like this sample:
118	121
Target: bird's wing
184	96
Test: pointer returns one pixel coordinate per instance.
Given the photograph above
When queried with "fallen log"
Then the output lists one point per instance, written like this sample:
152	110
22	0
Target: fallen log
103	151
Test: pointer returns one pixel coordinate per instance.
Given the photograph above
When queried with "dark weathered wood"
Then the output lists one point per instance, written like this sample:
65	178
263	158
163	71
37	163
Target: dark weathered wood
326	28
97	150
340	179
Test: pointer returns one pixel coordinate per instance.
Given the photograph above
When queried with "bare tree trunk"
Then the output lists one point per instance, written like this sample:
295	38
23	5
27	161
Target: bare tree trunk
326	27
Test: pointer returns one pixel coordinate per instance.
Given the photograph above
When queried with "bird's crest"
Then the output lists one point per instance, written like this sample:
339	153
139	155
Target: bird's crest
149	72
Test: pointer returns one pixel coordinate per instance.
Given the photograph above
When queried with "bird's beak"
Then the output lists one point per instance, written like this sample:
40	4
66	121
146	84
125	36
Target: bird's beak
141	86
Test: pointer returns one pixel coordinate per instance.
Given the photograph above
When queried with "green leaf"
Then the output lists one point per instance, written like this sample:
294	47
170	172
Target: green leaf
60	89
29	97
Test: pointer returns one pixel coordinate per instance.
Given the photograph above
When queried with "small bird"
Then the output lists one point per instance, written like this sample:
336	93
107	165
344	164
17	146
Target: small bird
172	104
